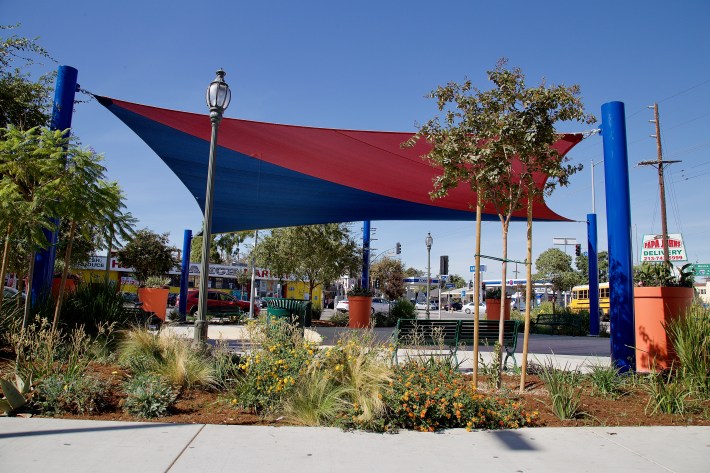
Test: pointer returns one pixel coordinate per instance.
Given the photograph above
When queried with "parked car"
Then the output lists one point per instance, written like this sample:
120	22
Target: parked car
217	301
172	299
422	305
455	305
342	306
378	305
11	293
471	307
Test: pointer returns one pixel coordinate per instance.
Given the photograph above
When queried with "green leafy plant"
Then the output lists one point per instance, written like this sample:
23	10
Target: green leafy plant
148	395
666	394
493	293
92	305
606	380
157	281
15	395
401	309
564	389
690	335
226	366
358	290
663	275
71	394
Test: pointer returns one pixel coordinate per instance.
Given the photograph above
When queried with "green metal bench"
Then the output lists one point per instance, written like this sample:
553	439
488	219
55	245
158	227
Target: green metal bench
421	333
295	311
556	321
454	333
488	335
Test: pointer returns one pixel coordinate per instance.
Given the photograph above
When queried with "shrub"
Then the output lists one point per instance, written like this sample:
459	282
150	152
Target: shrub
606	380
340	319
71	394
269	372
690	336
316	313
92	305
564	389
362	366
226	366
172	358
402	309
667	395
428	397
148	395
317	399
42	352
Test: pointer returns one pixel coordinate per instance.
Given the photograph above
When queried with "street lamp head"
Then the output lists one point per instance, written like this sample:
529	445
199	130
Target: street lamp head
428	240
218	94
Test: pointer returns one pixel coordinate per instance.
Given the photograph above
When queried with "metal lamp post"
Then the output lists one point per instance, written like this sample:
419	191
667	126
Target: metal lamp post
428	241
218	97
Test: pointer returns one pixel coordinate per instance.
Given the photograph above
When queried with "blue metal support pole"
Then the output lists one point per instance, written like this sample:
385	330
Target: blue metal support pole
184	273
618	217
593	275
61	120
365	281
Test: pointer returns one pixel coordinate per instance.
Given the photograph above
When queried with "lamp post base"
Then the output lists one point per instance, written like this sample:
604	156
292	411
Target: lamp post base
200	331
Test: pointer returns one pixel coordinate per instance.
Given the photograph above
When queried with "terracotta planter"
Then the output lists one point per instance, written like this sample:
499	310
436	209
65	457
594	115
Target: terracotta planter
360	309
154	299
493	309
654	307
69	287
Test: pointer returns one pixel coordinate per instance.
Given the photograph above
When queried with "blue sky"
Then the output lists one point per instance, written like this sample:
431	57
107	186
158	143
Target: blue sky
368	65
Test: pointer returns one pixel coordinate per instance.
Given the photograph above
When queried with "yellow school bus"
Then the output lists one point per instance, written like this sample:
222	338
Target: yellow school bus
580	298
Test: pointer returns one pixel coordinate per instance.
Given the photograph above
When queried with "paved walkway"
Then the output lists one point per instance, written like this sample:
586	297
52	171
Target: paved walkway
58	445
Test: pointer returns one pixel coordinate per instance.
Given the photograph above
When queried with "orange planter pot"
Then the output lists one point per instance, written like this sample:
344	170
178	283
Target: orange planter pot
154	299
493	309
360	308
654	307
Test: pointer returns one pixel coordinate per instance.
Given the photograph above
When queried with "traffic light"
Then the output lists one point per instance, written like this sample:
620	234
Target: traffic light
578	249
444	265
470	284
483	290
398	248
377	283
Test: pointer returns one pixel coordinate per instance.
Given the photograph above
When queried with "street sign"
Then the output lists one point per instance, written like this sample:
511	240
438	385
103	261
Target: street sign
463	293
702	270
449	286
473	268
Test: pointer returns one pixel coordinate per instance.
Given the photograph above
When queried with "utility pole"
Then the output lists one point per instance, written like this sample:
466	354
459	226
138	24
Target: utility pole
660	164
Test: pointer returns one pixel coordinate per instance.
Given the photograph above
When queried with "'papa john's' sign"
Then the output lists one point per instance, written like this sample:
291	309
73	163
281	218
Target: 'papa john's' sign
653	248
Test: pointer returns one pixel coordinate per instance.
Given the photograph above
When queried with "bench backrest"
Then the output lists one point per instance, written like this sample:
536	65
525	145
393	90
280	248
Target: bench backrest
427	332
555	318
488	332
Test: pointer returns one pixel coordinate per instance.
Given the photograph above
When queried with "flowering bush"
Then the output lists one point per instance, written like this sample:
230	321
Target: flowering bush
429	395
269	373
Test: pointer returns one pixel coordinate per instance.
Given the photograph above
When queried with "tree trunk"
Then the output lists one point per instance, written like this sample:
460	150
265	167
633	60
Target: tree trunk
476	288
65	272
28	292
528	294
5	257
503	301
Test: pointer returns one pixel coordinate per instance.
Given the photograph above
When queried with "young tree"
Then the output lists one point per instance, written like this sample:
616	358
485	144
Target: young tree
390	272
149	254
314	254
582	264
32	164
555	266
499	142
24	103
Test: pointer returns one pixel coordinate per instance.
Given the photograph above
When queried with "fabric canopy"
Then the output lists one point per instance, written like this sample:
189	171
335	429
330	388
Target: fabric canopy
270	175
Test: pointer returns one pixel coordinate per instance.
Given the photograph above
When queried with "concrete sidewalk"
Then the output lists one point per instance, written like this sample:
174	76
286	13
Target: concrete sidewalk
58	445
